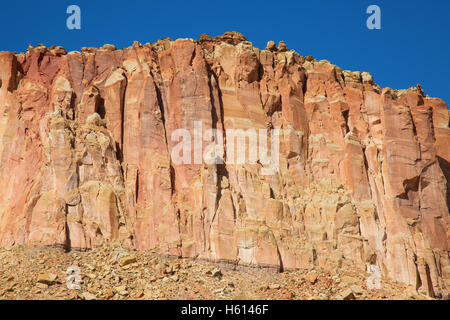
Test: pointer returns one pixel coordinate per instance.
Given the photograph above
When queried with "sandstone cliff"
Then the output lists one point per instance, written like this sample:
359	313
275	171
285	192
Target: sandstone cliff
85	142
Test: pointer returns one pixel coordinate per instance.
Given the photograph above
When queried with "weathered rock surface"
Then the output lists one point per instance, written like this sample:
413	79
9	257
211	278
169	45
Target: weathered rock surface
85	144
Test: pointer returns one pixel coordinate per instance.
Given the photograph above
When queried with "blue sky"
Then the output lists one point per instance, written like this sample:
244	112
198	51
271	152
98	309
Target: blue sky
412	47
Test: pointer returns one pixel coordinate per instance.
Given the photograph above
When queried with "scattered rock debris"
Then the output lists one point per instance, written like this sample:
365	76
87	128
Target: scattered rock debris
116	273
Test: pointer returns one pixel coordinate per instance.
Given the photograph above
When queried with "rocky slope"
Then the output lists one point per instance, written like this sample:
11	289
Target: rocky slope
86	138
111	272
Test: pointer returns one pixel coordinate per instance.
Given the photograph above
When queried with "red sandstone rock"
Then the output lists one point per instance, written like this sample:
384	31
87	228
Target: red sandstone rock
364	173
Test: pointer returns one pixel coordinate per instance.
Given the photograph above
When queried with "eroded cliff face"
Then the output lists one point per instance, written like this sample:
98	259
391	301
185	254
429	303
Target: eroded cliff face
85	144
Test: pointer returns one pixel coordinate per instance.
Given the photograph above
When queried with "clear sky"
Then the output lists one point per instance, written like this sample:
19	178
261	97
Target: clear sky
413	45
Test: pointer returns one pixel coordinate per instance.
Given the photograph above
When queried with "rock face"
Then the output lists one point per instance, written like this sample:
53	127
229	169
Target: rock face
86	141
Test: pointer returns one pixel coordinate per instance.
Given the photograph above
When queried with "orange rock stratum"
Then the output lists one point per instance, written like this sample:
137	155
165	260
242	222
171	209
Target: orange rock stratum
85	144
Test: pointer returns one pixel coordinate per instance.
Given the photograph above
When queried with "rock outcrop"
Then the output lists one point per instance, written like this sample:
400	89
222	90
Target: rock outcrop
86	142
